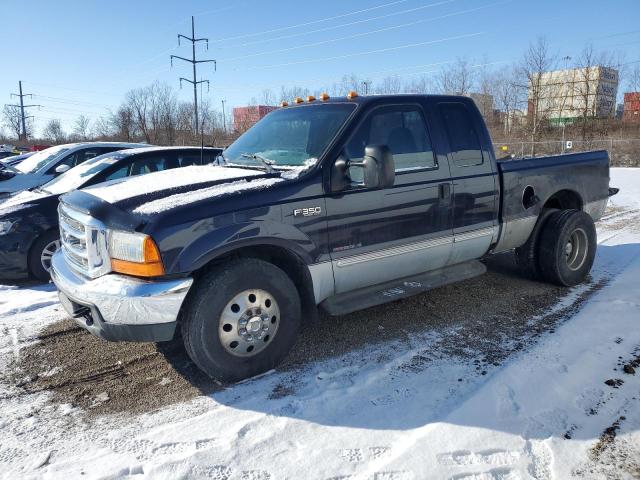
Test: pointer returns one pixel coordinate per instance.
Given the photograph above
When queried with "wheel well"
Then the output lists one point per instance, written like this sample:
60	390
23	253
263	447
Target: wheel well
563	200
282	258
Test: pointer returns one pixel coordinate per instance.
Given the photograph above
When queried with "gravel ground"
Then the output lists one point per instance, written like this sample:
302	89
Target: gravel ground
486	318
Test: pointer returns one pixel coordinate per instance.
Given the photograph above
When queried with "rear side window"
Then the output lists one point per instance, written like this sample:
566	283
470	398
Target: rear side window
462	134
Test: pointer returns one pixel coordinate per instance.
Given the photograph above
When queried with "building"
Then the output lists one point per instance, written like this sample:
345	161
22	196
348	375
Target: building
566	95
631	108
245	117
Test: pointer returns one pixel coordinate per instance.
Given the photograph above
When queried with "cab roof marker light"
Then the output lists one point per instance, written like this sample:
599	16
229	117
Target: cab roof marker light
298	100
352	94
324	96
284	104
311	98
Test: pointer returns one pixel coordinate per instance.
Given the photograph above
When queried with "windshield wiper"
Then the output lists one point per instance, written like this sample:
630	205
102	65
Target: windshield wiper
268	164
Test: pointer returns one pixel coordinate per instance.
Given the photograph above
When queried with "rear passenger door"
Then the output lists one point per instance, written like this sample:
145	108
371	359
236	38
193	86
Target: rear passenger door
382	235
475	188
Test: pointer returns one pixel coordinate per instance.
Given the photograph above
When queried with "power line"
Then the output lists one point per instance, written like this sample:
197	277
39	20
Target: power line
193	61
69	101
334	27
369	52
22	106
370	32
313	22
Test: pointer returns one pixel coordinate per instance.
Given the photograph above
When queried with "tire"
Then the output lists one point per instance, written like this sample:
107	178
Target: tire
39	260
267	302
526	256
567	247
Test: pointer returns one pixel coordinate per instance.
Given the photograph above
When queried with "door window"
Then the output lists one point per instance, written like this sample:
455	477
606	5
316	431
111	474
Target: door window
403	130
463	137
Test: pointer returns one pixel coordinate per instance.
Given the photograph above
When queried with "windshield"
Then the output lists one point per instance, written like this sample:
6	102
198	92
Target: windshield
80	175
38	160
289	136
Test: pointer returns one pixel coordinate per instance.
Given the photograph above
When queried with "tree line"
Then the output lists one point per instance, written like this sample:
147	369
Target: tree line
513	98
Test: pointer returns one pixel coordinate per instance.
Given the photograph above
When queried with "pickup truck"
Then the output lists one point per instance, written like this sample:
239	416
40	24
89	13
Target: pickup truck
333	203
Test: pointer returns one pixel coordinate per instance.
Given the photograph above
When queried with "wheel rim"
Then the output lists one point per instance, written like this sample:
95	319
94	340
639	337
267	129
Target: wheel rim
249	323
47	253
576	249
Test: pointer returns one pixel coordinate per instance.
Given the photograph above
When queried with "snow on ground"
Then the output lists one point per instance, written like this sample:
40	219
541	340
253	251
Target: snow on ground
545	413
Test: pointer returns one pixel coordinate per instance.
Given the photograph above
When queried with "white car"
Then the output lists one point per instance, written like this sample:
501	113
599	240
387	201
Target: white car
43	166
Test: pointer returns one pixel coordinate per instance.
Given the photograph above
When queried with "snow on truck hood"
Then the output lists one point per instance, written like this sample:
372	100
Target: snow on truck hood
232	180
118	190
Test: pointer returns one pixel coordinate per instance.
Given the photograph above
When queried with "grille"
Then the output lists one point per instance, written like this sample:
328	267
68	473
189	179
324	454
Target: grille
83	242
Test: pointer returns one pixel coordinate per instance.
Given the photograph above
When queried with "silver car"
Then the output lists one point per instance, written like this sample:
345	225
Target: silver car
43	166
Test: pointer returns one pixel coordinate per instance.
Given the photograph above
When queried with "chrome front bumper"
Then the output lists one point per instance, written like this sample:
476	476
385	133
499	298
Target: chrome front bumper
119	307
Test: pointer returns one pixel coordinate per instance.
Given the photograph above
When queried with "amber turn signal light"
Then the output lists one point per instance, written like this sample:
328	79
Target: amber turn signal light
150	267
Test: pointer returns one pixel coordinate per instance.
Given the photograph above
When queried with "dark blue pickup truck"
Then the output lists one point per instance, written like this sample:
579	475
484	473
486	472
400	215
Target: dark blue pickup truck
341	204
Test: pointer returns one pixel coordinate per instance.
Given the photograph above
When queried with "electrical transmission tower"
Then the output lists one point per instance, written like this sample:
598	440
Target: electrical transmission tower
22	106
193	61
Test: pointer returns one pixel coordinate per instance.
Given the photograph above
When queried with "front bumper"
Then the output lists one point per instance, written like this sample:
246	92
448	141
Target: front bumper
118	307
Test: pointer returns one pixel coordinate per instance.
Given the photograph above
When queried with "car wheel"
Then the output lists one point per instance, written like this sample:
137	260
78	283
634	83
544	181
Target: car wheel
567	247
41	253
241	319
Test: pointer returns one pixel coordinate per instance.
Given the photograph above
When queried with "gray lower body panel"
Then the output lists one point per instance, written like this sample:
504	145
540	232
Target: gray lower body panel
402	288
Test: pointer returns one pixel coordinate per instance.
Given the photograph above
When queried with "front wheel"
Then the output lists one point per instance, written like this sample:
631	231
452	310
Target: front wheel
241	320
41	254
567	247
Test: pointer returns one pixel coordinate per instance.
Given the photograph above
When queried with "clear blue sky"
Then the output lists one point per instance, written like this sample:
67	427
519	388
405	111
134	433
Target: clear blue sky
82	56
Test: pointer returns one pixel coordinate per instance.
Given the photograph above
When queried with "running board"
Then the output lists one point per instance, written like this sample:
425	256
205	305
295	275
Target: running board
402	288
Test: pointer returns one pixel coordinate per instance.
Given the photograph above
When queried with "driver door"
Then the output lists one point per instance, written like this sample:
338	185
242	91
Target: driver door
378	235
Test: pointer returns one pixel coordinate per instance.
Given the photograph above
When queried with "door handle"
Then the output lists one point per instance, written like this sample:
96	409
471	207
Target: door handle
444	190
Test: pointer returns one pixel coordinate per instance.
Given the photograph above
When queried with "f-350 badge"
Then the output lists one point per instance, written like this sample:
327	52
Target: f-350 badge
307	212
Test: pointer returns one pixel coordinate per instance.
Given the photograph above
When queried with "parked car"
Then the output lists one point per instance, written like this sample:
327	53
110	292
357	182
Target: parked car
343	204
45	165
14	160
29	233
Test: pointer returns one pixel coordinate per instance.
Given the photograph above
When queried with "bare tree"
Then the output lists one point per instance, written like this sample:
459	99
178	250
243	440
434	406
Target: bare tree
507	96
593	69
81	128
422	84
389	85
268	97
633	79
54	132
537	61
12	119
456	79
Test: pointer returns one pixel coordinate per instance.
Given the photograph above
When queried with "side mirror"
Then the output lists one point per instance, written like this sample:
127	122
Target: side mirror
62	168
379	167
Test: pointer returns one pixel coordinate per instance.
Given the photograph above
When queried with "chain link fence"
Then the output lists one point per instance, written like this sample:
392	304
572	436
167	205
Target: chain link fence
623	153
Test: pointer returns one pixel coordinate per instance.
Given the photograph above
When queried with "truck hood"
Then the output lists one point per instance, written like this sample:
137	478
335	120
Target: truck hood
156	192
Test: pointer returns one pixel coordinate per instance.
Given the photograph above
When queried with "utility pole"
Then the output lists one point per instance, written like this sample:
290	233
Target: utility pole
22	106
193	61
224	118
365	84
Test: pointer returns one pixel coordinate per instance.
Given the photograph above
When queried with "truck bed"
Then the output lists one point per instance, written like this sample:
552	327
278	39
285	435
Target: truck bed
574	180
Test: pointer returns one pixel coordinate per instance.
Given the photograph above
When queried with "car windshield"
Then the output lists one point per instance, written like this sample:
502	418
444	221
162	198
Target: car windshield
80	175
38	160
289	136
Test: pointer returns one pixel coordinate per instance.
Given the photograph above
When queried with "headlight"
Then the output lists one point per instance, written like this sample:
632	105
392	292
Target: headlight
134	254
6	226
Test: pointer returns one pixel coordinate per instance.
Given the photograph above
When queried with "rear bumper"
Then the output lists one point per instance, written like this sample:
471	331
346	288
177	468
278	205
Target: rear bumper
118	307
